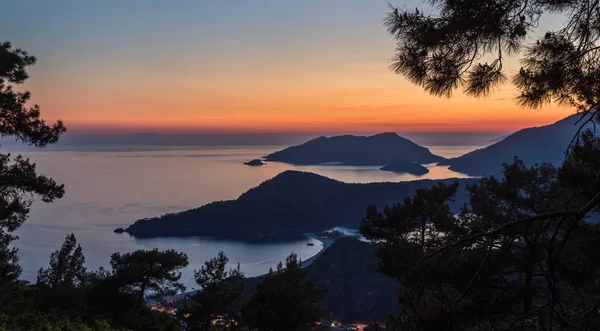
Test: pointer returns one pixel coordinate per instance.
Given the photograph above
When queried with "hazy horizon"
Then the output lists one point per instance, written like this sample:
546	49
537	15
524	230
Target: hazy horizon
265	138
249	66
80	139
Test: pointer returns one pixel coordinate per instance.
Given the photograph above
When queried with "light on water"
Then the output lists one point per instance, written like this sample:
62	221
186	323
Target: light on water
110	189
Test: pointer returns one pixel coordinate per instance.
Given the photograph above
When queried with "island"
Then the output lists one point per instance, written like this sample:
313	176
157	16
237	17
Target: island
400	165
255	162
285	208
376	150
532	145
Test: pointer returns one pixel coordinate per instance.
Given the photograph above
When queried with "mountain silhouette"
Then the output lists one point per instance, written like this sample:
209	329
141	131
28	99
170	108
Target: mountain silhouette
376	150
533	145
283	208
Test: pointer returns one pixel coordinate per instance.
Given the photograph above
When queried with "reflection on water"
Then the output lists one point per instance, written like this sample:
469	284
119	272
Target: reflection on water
110	189
37	242
354	174
452	151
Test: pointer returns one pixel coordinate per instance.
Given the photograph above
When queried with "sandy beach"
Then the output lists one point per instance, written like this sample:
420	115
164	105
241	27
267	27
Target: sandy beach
326	243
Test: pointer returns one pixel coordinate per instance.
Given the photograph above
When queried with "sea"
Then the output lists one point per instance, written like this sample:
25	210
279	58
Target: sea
114	187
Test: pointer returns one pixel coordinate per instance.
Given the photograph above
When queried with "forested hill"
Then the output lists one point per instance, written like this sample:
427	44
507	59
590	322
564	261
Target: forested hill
532	145
283	208
379	149
354	290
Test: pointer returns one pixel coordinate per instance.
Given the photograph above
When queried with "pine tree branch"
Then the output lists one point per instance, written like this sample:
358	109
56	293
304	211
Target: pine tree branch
533	312
577	213
474	278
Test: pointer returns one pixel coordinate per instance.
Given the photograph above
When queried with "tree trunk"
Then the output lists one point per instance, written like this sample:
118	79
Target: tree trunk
207	323
141	294
423	226
527	291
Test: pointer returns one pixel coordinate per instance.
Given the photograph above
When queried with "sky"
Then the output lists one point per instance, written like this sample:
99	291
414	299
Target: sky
215	66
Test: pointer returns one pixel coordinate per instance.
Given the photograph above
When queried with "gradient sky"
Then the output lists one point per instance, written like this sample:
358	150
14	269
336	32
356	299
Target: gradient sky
238	65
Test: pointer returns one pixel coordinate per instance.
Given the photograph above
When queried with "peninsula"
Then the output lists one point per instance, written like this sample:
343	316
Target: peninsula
284	208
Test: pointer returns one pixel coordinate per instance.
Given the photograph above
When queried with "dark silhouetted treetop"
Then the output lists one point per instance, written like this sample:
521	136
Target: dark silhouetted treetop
518	257
16	119
286	300
19	182
448	49
150	273
354	290
378	149
66	296
67	266
525	241
10	270
36	321
219	294
214	272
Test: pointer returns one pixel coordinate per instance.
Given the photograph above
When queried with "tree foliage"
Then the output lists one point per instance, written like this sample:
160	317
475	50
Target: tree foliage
285	301
10	270
151	273
220	290
67	297
36	321
16	118
67	266
19	181
521	255
66	291
464	43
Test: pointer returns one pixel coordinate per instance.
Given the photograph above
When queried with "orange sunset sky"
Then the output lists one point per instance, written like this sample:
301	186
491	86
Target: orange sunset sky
226	66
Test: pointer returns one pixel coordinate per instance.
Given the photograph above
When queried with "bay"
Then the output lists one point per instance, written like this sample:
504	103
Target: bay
110	188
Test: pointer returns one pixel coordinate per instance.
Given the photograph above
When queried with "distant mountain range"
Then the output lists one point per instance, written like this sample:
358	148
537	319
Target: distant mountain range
154	140
376	150
533	145
283	208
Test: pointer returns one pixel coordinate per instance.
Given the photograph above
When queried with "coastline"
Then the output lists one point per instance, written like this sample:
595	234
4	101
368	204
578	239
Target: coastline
326	244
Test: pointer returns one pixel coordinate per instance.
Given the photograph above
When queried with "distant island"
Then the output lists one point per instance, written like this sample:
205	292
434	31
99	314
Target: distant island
255	162
532	145
375	150
283	208
400	165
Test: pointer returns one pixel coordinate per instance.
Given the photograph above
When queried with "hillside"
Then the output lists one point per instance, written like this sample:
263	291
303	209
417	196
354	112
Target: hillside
282	208
354	290
533	145
374	150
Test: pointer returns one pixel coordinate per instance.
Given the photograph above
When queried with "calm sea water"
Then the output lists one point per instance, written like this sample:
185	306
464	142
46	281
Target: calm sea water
113	188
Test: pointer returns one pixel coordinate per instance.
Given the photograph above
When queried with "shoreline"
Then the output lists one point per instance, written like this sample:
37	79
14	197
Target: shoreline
327	242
